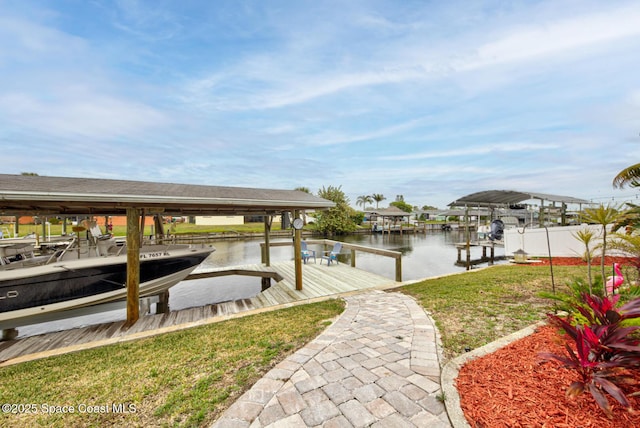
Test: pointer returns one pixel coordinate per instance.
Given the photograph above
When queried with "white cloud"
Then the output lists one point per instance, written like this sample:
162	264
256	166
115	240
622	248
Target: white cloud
93	115
474	151
556	37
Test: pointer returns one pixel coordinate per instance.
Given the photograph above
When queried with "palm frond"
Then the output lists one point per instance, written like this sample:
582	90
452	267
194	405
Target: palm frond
629	175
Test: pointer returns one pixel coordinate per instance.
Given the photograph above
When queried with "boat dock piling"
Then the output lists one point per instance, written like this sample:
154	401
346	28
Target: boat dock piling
483	259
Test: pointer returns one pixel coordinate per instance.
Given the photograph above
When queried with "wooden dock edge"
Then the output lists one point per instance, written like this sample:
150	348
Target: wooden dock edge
179	327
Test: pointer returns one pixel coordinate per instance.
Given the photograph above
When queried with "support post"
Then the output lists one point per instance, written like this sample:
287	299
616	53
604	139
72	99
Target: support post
162	307
399	269
353	258
159	227
9	334
468	236
266	255
297	257
142	221
133	266
266	282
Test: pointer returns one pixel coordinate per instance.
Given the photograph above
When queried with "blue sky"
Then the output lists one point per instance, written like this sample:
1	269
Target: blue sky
431	100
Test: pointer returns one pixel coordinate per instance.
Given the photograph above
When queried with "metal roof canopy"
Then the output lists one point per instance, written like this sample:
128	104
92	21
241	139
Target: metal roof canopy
41	195
491	198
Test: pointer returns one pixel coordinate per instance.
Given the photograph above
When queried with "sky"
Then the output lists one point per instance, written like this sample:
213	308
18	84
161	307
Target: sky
431	100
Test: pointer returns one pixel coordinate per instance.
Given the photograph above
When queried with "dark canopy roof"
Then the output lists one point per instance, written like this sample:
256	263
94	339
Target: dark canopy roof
508	197
40	195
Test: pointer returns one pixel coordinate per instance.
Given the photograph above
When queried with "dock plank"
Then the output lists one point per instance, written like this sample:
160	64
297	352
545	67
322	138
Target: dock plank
318	281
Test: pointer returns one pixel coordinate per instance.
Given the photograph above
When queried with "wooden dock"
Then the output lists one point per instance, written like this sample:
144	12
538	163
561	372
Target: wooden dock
491	245
319	282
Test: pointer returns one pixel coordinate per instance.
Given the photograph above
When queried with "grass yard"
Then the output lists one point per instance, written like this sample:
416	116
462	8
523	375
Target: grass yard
178	379
478	307
188	378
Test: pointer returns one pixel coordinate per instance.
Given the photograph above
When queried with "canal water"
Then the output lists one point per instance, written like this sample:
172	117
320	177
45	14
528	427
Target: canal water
424	255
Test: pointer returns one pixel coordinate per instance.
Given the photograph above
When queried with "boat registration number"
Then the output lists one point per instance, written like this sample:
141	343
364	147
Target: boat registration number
154	255
11	294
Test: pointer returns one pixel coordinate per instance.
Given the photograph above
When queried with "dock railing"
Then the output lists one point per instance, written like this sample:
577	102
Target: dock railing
327	245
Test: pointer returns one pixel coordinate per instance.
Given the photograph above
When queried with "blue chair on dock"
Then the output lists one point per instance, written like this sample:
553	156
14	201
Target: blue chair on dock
332	256
307	253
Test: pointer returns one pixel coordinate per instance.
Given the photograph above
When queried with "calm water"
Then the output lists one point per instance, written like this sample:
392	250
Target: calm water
423	256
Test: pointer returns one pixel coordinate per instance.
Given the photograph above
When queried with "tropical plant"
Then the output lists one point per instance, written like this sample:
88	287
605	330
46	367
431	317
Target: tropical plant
336	220
605	349
629	175
628	219
364	200
628	244
602	215
586	236
378	198
566	301
402	205
357	217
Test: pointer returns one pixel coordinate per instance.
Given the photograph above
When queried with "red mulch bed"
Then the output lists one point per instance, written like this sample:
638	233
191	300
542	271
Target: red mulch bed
513	387
576	261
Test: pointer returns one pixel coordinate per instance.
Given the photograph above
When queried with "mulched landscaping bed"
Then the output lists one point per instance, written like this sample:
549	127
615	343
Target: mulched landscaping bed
577	261
513	387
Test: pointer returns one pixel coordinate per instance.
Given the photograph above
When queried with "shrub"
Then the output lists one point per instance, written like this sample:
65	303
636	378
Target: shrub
605	349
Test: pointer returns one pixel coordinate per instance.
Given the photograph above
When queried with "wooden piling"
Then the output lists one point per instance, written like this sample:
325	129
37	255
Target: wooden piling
133	266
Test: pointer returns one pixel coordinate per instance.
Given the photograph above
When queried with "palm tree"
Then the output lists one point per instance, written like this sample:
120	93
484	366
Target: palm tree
602	216
364	200
629	244
378	198
586	236
629	175
631	217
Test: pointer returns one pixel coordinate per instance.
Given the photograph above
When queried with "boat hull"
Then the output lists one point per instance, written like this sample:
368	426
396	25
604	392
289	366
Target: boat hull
78	283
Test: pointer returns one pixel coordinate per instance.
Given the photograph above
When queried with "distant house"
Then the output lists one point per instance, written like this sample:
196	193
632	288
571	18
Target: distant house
219	220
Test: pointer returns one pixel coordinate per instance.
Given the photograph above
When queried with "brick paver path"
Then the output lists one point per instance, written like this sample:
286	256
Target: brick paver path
376	366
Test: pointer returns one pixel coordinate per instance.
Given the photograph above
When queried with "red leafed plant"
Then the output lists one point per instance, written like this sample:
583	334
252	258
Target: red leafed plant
604	349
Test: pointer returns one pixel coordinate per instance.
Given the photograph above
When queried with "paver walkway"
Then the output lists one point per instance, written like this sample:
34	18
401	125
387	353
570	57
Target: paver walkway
376	366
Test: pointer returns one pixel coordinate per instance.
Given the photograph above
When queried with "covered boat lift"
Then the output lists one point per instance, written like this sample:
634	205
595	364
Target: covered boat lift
67	196
495	199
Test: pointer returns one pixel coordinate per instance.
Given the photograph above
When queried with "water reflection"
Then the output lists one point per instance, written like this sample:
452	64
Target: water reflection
423	256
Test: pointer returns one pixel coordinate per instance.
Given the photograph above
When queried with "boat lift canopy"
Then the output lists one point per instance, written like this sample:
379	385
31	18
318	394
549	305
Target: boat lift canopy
40	195
495	198
48	196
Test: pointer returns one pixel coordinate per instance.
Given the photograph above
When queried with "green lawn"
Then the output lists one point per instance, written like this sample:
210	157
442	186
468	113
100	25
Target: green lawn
187	378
